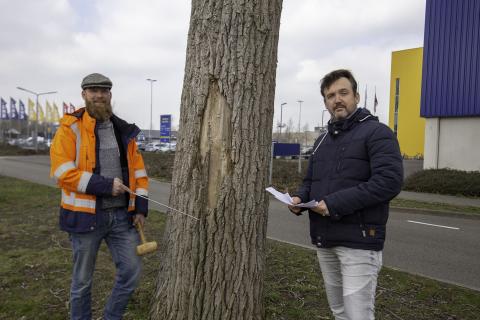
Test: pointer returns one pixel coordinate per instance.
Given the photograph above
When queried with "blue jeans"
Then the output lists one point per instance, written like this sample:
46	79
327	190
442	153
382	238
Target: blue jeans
121	238
350	278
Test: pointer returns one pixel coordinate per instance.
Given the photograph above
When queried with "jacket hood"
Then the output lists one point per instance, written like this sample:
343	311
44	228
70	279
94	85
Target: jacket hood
360	115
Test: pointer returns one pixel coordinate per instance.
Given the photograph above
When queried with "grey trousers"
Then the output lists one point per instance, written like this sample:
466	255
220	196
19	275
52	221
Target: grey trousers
350	277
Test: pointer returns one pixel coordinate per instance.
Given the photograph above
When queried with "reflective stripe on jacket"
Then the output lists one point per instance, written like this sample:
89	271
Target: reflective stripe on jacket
74	158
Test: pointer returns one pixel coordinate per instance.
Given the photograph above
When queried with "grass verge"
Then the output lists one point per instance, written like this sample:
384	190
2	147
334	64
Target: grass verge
35	271
159	165
8	150
434	206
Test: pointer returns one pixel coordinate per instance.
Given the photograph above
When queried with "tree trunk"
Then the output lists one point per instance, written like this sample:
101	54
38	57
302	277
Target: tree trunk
214	268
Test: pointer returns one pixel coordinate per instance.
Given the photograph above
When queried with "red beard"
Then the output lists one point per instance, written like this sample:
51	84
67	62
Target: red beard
100	111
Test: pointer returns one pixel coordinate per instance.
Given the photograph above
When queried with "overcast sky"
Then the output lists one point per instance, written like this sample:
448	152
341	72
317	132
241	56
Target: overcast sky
50	45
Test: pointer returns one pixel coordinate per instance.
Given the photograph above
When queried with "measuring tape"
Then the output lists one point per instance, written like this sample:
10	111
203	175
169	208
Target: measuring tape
159	203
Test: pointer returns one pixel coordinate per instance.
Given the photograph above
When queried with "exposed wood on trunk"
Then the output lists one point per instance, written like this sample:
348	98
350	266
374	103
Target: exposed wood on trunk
216	135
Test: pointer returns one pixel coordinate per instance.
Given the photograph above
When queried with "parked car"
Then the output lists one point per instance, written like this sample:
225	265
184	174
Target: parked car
141	145
15	141
168	147
306	152
306	149
152	146
164	147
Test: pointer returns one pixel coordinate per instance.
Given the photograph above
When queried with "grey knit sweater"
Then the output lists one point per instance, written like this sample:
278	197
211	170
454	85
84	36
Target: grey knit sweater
109	157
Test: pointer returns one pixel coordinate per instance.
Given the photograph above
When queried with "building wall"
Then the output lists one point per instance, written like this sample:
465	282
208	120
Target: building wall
407	68
452	143
451	60
451	84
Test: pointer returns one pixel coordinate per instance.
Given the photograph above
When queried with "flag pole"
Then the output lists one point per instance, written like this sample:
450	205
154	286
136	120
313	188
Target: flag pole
365	104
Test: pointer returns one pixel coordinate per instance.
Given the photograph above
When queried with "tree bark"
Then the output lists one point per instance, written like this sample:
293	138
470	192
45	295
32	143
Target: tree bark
214	268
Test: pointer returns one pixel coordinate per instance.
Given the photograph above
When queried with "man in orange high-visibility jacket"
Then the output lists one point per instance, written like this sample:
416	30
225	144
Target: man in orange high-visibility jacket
94	157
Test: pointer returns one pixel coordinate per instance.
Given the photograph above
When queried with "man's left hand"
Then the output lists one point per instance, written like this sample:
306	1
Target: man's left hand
139	219
321	209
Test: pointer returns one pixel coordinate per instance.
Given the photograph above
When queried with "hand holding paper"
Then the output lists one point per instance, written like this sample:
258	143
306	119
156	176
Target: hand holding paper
287	199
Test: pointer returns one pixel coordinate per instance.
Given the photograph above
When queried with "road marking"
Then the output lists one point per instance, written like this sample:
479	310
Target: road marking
433	225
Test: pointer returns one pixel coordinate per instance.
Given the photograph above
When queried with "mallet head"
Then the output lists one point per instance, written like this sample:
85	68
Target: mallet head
146	247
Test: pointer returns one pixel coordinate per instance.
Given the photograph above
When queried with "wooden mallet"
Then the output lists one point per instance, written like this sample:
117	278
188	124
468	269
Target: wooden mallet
145	247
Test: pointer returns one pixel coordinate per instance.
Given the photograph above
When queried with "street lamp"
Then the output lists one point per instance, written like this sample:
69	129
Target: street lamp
36	110
323	112
281	114
299	114
151	105
298	140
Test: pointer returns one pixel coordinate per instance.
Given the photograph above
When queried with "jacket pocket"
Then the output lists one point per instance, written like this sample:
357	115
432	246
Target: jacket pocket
68	218
356	233
374	232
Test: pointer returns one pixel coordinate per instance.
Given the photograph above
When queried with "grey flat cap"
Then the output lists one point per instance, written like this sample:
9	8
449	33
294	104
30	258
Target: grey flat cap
96	80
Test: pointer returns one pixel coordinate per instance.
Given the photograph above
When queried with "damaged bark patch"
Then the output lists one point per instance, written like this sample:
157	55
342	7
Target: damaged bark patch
215	141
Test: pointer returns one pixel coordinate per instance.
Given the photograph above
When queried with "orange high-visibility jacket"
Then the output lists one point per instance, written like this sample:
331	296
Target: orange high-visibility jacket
74	156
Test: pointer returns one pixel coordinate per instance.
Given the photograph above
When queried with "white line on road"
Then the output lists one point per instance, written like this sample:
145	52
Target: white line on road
433	225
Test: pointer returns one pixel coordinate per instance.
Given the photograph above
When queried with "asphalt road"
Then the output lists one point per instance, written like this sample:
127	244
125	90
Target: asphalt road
440	247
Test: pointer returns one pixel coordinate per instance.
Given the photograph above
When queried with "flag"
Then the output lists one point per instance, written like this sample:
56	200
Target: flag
13	109
72	108
3	110
375	104
48	112
21	110
55	114
41	115
365	105
65	108
32	114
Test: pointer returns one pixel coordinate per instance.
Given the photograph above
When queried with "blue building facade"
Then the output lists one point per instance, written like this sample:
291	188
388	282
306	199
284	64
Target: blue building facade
451	59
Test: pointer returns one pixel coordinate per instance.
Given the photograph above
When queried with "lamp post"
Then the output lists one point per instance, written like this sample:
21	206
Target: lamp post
37	94
323	112
299	116
298	140
281	123
151	106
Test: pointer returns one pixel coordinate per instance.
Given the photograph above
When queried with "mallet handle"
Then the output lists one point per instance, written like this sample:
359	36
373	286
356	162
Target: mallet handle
140	231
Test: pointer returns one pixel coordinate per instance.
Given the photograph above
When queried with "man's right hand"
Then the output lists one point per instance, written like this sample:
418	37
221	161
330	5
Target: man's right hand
118	187
295	210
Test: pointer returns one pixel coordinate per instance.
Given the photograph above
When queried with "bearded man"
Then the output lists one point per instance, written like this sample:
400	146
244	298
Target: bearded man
94	159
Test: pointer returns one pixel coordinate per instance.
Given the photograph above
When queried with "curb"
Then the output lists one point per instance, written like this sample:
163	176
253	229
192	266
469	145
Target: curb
463	215
461	285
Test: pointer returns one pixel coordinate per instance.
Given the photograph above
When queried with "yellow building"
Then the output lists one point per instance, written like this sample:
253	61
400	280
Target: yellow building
405	91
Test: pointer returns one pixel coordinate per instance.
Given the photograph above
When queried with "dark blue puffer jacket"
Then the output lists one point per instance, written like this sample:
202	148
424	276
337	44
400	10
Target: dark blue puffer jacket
356	169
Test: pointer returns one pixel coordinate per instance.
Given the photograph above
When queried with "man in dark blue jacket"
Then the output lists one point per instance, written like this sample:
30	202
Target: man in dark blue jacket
353	173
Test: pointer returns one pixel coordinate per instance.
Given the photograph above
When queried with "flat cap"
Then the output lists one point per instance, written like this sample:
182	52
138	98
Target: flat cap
96	80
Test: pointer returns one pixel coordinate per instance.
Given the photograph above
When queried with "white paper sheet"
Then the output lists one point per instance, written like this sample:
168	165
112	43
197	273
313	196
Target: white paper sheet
287	199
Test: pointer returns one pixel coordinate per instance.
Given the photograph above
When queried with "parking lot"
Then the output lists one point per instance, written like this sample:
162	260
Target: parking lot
157	146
